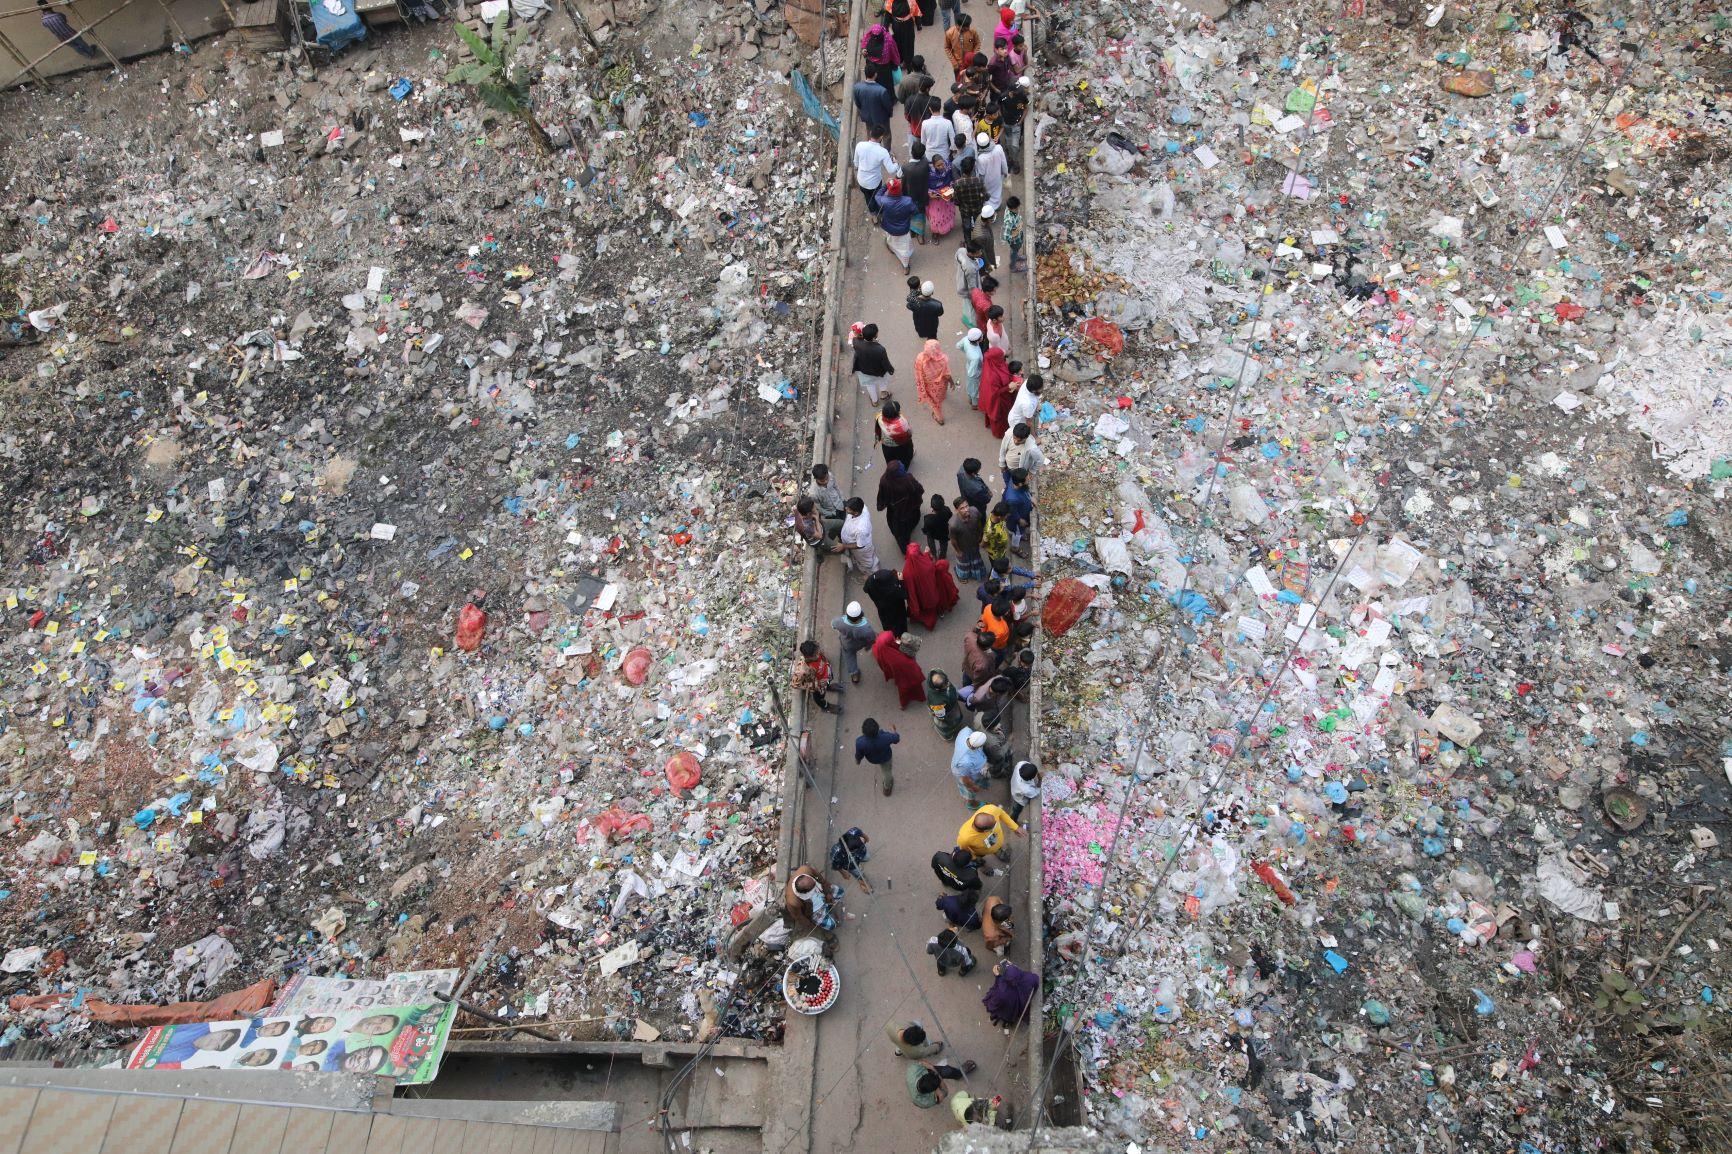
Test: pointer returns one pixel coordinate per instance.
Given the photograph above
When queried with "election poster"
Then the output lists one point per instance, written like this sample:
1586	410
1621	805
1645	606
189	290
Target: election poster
404	1042
306	994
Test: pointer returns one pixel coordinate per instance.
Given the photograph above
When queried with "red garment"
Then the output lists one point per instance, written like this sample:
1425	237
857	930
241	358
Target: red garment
980	300
995	398
900	668
932	591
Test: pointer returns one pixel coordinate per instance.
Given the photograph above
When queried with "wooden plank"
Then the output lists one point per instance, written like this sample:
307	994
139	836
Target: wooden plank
349	1134
419	1134
386	1136
453	1137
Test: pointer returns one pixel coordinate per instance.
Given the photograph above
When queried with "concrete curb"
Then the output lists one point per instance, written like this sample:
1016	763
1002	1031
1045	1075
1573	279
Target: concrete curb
1037	853
795	1077
650	1053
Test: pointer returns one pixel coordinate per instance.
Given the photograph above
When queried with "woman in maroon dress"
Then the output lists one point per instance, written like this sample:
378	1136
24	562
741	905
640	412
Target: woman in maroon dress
932	591
900	668
995	398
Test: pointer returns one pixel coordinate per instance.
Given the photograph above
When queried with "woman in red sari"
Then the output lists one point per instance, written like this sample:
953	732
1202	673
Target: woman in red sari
995	398
980	299
932	591
900	668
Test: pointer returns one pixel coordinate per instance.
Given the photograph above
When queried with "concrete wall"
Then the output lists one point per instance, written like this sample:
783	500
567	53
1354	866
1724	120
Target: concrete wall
49	1111
125	28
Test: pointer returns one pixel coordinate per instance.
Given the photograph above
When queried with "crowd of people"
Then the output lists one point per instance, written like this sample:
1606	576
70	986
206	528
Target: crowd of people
949	175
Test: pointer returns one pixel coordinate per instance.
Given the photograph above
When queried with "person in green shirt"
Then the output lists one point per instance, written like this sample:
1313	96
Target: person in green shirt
926	1082
969	1110
910	1041
995	538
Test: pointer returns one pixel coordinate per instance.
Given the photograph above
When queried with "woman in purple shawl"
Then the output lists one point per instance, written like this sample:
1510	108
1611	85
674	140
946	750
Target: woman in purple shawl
1007	1001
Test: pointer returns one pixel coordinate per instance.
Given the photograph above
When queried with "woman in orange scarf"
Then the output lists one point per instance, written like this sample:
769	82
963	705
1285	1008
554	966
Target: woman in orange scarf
932	379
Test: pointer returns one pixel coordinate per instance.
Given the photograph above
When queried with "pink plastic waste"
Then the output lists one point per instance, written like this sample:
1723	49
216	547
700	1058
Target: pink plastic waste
471	623
636	666
614	823
683	770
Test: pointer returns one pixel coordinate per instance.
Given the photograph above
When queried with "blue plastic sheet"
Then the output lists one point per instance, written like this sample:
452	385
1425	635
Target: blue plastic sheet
813	106
336	23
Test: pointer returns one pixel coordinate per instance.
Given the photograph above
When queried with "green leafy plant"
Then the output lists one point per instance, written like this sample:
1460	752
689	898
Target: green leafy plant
1622	998
498	85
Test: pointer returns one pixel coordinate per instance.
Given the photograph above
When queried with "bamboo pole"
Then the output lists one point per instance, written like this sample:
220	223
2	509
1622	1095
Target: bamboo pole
113	60
30	65
19	58
32	8
179	32
472	1008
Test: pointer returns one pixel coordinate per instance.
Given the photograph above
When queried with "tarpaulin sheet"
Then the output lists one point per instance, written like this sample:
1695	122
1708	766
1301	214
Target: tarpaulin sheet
813	106
336	23
238	1004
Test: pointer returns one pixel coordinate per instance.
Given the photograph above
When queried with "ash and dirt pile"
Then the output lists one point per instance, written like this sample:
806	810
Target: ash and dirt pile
386	582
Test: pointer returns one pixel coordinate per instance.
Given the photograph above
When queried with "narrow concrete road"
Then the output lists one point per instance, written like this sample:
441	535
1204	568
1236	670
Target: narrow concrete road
861	1099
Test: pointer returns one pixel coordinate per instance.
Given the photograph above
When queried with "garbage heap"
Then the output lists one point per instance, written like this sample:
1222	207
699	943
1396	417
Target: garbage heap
395	561
1387	787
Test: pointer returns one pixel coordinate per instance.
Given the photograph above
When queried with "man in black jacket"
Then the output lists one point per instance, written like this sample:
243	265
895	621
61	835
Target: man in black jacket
925	308
872	101
973	489
958	869
872	367
1012	108
917	185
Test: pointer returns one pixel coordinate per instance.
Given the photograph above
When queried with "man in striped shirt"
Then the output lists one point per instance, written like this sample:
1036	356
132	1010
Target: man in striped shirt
63	32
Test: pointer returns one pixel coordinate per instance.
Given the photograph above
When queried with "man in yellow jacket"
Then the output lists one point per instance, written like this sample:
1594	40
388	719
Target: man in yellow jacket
984	833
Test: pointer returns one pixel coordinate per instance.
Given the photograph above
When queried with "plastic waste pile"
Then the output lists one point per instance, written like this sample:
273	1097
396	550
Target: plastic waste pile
1385	666
387	578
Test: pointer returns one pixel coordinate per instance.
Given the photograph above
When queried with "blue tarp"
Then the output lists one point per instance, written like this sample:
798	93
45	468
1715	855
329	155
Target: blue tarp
814	108
336	23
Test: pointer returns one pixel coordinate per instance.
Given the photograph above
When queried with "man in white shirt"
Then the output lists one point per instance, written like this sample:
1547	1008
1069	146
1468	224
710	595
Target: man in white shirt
1026	407
873	165
857	538
1024	787
938	135
991	165
963	123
